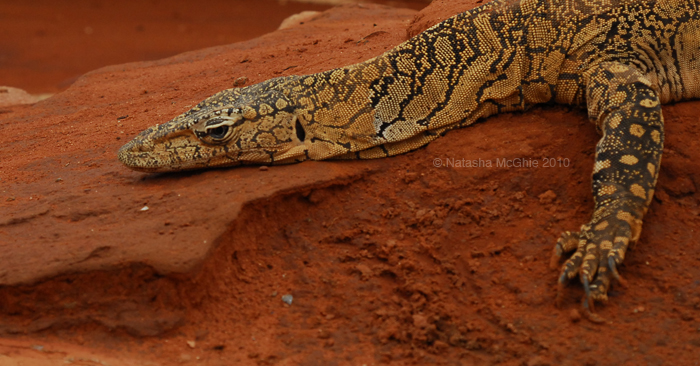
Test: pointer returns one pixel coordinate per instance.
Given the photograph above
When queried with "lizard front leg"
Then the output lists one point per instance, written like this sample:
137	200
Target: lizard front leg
627	110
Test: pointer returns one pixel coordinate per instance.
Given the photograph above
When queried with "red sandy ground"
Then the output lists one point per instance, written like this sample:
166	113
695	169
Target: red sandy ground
391	261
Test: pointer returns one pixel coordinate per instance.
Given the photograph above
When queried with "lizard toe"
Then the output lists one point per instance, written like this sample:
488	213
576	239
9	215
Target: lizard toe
601	248
568	241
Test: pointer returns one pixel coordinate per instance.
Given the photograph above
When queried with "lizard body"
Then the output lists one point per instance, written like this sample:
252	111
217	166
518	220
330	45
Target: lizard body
620	59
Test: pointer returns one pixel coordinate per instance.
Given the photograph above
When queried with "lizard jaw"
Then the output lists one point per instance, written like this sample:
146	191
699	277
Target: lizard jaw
148	153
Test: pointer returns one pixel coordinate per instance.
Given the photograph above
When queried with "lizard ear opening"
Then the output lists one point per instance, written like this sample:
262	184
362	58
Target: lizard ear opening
301	134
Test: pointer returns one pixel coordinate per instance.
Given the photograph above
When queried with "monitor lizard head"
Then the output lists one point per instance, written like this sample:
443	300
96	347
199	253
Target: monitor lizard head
251	125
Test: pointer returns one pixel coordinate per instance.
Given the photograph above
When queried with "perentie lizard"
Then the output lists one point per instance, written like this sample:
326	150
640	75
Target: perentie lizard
621	59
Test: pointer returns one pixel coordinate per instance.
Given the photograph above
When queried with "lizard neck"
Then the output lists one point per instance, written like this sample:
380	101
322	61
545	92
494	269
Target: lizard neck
403	99
335	109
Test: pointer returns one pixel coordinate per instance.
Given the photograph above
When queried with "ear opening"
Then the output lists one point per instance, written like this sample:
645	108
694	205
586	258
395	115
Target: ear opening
299	129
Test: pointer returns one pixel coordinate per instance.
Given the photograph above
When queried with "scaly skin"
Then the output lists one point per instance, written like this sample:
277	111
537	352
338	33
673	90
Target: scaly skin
621	59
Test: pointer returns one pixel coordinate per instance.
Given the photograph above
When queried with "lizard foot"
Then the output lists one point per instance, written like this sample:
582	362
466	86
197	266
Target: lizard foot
600	248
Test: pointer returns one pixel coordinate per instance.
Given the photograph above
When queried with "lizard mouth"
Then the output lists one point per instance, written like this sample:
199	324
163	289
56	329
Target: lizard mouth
151	153
157	149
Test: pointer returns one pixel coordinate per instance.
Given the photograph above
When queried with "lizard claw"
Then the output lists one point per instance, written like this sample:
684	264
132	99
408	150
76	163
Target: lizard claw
588	304
599	248
613	270
588	311
588	301
560	289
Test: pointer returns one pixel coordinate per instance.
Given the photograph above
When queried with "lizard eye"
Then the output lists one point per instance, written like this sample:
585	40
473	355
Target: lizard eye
218	133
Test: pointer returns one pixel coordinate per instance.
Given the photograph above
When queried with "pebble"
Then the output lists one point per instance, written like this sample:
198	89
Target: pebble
574	315
441	346
547	197
287	299
420	321
240	81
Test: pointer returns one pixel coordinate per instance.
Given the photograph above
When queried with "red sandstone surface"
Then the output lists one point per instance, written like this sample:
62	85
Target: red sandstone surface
392	261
